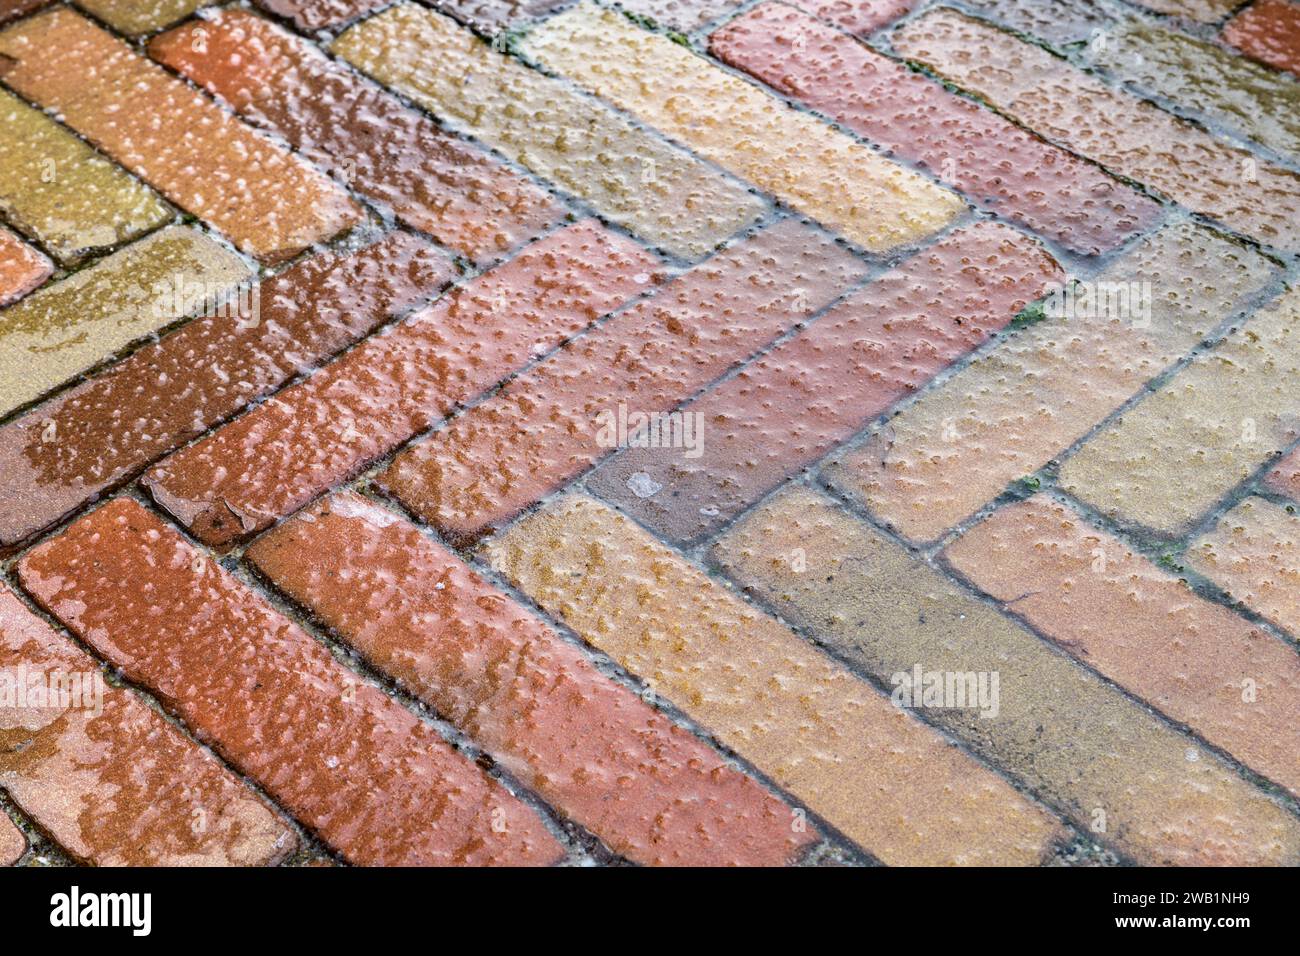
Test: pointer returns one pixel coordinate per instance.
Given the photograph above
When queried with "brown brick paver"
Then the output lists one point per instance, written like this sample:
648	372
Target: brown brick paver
987	158
884	779
1201	664
13	9
387	151
1269	31
375	782
268	201
22	268
1103	759
109	778
544	427
594	749
817	389
325	429
1129	136
69	449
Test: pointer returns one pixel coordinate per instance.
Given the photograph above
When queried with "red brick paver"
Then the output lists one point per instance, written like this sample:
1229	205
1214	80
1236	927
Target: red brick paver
812	391
69	449
322	431
989	159
387	151
1269	31
269	202
376	784
1253	553
1129	136
107	776
545	427
594	749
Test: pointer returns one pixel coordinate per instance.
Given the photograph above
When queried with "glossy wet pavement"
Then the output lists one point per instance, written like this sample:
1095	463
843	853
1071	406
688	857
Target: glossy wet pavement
683	433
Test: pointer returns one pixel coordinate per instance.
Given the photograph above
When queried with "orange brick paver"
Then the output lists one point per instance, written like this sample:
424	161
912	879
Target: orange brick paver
269	202
605	433
22	268
389	152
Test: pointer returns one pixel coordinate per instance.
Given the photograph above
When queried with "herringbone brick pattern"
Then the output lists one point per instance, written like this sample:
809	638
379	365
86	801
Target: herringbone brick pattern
676	432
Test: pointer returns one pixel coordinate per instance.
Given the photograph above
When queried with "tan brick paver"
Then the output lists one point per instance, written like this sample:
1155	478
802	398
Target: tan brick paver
668	197
1166	460
884	779
797	158
1104	760
1206	81
74	324
1021	404
134	17
57	190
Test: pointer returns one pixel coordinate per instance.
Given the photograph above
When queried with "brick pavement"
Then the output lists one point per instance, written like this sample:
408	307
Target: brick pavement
518	432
